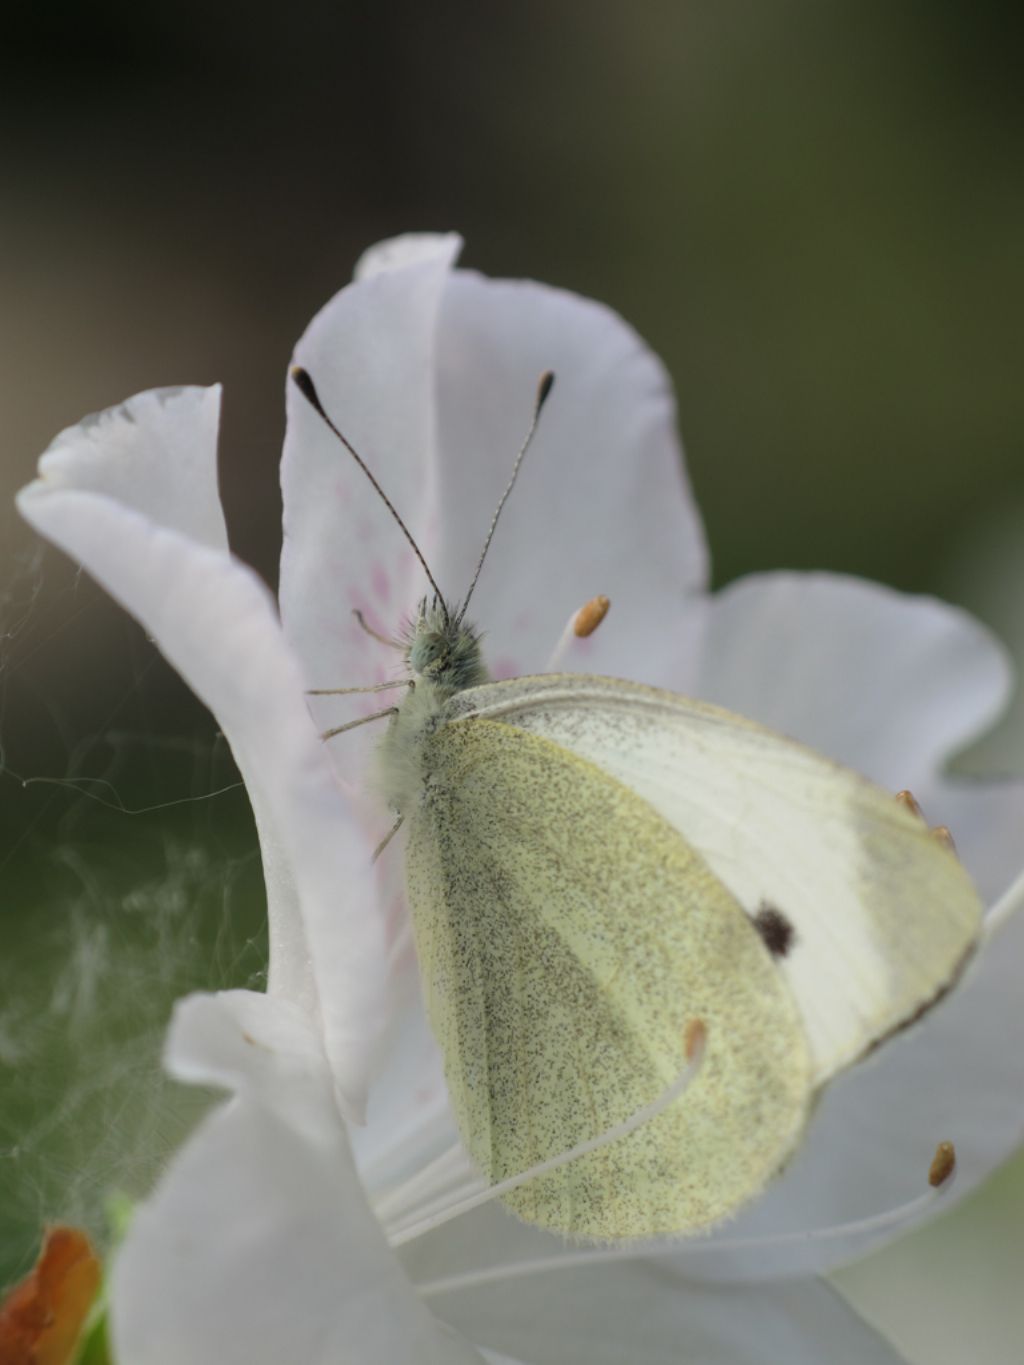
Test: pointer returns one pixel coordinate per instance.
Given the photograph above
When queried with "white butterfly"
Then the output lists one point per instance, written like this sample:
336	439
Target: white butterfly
607	882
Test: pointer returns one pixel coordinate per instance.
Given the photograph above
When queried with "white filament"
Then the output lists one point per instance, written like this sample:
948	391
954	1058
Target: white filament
645	1250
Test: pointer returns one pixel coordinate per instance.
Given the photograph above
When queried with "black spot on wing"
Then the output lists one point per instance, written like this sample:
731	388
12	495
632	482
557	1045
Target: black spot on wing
776	930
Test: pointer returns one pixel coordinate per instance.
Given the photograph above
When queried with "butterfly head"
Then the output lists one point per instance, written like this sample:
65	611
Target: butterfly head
444	650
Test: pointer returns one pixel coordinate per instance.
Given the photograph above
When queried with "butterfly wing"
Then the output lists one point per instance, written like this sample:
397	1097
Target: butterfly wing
567	938
872	919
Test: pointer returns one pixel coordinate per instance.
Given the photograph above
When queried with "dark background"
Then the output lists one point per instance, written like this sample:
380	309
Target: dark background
815	213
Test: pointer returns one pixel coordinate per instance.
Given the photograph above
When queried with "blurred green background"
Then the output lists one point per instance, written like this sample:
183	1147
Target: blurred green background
814	212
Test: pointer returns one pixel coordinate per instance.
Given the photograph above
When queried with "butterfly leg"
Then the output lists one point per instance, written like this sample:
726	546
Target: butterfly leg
387	838
392	644
363	720
348	691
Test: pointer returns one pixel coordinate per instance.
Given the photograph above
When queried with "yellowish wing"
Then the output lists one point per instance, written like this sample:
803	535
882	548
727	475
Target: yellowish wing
567	937
872	918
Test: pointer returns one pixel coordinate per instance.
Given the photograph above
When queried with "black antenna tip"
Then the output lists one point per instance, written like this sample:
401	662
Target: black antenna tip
307	388
547	383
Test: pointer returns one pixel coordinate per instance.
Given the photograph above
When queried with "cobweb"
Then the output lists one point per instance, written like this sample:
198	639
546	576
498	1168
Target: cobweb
129	876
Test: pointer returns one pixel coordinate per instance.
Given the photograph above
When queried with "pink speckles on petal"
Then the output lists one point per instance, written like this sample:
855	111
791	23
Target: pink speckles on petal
505	668
380	583
396	917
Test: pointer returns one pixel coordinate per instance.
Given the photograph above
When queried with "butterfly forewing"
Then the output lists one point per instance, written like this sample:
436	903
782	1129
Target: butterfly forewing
870	918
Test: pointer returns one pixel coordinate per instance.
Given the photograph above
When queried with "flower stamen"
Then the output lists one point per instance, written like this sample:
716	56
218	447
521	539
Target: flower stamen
447	1172
940	1178
580	625
943	1165
1005	907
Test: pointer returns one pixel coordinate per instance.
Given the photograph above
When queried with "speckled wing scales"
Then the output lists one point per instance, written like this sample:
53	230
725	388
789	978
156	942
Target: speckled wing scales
567	935
878	918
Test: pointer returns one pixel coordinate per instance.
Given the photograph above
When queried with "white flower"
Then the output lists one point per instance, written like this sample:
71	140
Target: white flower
262	1243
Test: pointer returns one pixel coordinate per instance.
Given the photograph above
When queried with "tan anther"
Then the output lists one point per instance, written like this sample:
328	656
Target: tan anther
590	616
943	1164
909	802
694	1037
941	835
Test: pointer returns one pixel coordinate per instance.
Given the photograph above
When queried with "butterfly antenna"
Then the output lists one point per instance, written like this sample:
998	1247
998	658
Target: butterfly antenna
544	387
307	388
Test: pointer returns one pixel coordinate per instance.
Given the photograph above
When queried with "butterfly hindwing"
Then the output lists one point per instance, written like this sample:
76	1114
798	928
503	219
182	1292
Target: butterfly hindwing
567	937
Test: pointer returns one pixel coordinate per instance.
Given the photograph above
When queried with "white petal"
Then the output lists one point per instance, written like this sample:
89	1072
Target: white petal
258	1246
371	354
642	1314
602	504
891	685
156	452
215	622
411	248
408	1118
